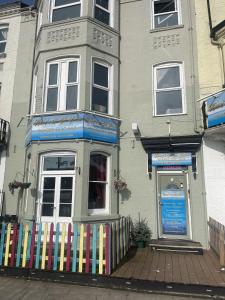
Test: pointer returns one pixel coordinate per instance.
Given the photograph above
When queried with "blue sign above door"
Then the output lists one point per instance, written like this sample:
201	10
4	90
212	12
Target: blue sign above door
78	125
172	159
215	109
173	212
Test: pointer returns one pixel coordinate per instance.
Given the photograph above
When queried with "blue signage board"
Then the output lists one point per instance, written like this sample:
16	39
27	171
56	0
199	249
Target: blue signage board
215	109
174	219
72	126
171	159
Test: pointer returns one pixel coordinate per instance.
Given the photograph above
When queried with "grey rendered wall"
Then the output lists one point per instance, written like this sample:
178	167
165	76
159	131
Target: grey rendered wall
21	98
141	49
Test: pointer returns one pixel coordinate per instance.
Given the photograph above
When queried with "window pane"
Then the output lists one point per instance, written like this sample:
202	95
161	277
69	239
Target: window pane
72	73
66	197
169	102
65	210
3	34
103	3
102	15
56	163
53	74
66	183
100	100
166	20
66	13
49	183
101	75
168	77
2	47
47	210
98	167
48	196
97	195
64	2
52	98
71	97
163	6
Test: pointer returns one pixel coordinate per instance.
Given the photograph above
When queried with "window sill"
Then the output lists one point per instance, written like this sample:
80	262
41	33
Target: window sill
166	28
3	55
170	115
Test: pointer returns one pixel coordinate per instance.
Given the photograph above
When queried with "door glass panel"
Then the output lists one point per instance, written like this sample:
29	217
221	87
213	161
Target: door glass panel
48	197
173	205
66	194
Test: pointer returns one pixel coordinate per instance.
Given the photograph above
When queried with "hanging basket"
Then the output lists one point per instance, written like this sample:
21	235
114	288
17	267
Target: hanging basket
120	185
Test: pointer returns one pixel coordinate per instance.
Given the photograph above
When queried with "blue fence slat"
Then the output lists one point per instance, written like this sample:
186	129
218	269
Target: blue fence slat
55	262
19	246
38	250
75	235
2	242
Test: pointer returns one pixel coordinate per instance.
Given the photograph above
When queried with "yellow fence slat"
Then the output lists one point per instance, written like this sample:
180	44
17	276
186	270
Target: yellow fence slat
25	242
81	250
101	245
62	247
7	244
43	260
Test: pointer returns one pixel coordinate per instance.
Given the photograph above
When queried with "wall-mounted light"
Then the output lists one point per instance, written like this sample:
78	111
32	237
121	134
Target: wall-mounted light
135	128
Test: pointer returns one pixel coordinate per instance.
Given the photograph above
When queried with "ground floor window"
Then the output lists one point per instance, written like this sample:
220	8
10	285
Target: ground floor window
57	186
98	183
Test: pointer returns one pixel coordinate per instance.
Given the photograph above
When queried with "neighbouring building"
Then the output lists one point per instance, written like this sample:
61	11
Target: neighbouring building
10	26
17	29
211	63
114	125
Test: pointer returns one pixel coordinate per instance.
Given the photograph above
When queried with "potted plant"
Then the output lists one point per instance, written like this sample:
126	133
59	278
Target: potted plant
141	233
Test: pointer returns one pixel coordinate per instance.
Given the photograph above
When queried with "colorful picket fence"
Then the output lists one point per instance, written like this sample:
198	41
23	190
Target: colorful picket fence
82	248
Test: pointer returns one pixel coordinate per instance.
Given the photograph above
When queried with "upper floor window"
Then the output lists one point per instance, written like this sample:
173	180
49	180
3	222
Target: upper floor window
169	89
3	38
103	11
101	88
62	85
165	13
65	9
98	183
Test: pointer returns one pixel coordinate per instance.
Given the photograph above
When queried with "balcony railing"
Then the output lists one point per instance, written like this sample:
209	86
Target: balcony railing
4	132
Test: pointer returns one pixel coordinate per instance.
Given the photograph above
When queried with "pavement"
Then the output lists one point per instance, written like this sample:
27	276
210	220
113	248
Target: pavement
23	289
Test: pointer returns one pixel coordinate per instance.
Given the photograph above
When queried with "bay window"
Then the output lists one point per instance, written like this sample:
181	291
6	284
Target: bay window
98	183
169	89
103	11
62	85
3	38
165	13
101	88
65	9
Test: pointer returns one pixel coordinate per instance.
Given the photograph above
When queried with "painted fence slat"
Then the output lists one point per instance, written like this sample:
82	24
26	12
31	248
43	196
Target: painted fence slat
75	233
13	250
50	248
2	242
89	248
8	234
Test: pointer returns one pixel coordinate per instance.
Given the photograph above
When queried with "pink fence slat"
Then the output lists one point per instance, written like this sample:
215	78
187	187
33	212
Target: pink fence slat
88	244
32	246
50	246
107	250
14	243
68	250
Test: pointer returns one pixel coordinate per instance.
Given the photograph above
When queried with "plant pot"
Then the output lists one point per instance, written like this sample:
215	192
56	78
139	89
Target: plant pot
141	244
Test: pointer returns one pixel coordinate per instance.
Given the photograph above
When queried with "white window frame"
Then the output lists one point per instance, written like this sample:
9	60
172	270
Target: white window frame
101	211
53	7
177	10
62	83
182	86
110	11
58	175
110	85
5	41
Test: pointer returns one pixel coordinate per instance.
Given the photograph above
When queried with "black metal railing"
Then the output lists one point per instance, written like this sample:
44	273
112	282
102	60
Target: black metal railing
4	132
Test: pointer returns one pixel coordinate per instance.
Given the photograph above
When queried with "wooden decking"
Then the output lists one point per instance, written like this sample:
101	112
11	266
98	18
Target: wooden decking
172	267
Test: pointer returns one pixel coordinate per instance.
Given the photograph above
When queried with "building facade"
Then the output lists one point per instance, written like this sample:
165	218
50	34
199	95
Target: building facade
211	52
114	128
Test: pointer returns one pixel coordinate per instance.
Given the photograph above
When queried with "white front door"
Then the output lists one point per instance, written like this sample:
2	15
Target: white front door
57	188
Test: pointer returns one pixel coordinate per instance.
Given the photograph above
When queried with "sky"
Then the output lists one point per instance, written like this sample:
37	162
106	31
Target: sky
11	1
